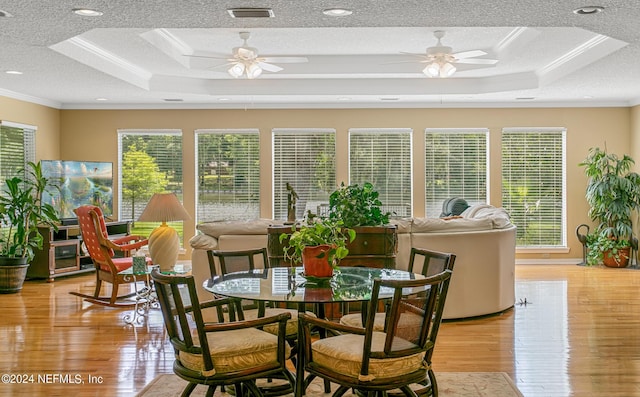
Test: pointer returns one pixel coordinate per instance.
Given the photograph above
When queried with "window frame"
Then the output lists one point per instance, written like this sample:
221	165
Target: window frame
279	193
382	191
562	245
221	131
487	165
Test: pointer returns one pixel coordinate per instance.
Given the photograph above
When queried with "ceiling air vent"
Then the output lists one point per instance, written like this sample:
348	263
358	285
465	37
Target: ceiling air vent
251	12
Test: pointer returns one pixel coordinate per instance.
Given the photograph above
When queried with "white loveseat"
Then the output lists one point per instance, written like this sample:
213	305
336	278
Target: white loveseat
483	240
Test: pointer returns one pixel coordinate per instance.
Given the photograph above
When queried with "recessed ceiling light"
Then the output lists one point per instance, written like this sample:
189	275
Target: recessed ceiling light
86	12
224	99
337	12
588	10
13	72
4	14
344	98
101	99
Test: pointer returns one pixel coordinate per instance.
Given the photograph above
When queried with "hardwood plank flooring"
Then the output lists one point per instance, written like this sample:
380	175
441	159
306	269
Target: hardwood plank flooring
576	335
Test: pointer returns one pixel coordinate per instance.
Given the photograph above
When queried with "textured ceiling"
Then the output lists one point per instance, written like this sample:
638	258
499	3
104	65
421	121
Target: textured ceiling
140	54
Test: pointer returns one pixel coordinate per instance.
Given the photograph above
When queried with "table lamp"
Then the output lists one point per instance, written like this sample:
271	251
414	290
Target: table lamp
164	243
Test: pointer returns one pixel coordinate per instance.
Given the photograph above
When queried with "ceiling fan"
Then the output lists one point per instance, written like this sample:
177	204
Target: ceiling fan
244	60
441	60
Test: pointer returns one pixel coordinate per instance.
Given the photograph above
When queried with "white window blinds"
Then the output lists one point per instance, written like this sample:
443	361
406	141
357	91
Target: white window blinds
382	156
149	161
227	174
456	165
17	147
533	184
304	158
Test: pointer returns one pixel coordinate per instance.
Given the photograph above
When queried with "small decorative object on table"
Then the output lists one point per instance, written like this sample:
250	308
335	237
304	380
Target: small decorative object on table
139	263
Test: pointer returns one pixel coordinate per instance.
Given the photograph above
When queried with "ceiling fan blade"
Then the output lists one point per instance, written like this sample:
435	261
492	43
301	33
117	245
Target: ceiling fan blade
413	54
269	67
285	59
469	54
477	61
208	57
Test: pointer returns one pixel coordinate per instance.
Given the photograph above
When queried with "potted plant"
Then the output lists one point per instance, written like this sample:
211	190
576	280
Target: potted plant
359	207
21	211
317	245
613	193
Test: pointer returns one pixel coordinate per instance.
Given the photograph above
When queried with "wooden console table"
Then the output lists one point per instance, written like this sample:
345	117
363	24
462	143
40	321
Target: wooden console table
374	246
62	253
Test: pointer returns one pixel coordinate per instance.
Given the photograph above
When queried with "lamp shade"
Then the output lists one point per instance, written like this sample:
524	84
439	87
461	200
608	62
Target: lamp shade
164	243
164	207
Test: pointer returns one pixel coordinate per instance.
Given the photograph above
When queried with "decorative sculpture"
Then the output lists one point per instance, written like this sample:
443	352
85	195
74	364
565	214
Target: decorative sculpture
582	237
292	199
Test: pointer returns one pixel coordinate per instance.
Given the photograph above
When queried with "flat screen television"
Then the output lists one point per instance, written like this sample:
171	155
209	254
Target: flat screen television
76	183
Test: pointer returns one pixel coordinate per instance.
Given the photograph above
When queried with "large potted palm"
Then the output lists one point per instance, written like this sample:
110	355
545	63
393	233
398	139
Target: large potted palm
613	193
21	211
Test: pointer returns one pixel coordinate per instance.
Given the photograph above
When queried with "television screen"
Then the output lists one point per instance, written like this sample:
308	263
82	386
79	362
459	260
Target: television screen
76	183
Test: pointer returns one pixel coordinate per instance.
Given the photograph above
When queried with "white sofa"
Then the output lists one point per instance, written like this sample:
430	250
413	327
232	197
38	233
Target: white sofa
483	240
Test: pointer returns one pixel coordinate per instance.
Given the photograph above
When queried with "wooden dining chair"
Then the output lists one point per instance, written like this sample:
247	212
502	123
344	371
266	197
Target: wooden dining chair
370	361
221	353
222	262
428	262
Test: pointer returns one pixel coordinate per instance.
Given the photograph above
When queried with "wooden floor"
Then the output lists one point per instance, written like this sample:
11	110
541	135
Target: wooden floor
574	331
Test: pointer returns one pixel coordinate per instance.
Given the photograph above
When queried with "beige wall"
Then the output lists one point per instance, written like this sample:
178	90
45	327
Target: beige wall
92	135
45	118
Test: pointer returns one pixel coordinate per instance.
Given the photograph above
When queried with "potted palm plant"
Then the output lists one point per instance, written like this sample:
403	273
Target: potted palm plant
613	193
21	211
318	245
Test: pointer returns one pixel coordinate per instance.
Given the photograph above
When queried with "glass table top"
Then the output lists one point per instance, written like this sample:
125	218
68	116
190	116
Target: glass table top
288	284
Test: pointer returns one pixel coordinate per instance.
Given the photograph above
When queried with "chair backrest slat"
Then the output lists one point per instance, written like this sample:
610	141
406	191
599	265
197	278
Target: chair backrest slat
413	315
182	315
91	222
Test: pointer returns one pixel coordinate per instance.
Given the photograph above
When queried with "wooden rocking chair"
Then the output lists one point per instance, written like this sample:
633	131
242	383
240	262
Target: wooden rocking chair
102	252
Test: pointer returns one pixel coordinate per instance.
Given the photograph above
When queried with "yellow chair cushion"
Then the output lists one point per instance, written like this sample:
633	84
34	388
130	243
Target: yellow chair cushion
408	325
343	354
210	316
235	350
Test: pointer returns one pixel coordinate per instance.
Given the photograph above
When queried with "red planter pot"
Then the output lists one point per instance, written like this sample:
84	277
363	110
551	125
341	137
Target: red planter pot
314	260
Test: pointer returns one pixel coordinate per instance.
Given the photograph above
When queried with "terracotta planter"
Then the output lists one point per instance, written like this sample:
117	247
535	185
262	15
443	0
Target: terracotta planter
314	260
13	271
622	261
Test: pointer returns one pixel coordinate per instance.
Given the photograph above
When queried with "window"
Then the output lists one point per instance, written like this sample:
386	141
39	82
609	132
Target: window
17	147
150	161
533	184
383	157
456	165
228	174
305	159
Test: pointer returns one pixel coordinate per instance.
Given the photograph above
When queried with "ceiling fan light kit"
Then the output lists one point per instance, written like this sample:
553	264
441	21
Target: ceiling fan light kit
441	60
439	69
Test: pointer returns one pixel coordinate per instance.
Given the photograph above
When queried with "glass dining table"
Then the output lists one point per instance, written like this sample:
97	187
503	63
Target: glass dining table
290	285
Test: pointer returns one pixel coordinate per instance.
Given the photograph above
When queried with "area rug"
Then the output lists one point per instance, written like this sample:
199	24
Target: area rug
458	384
